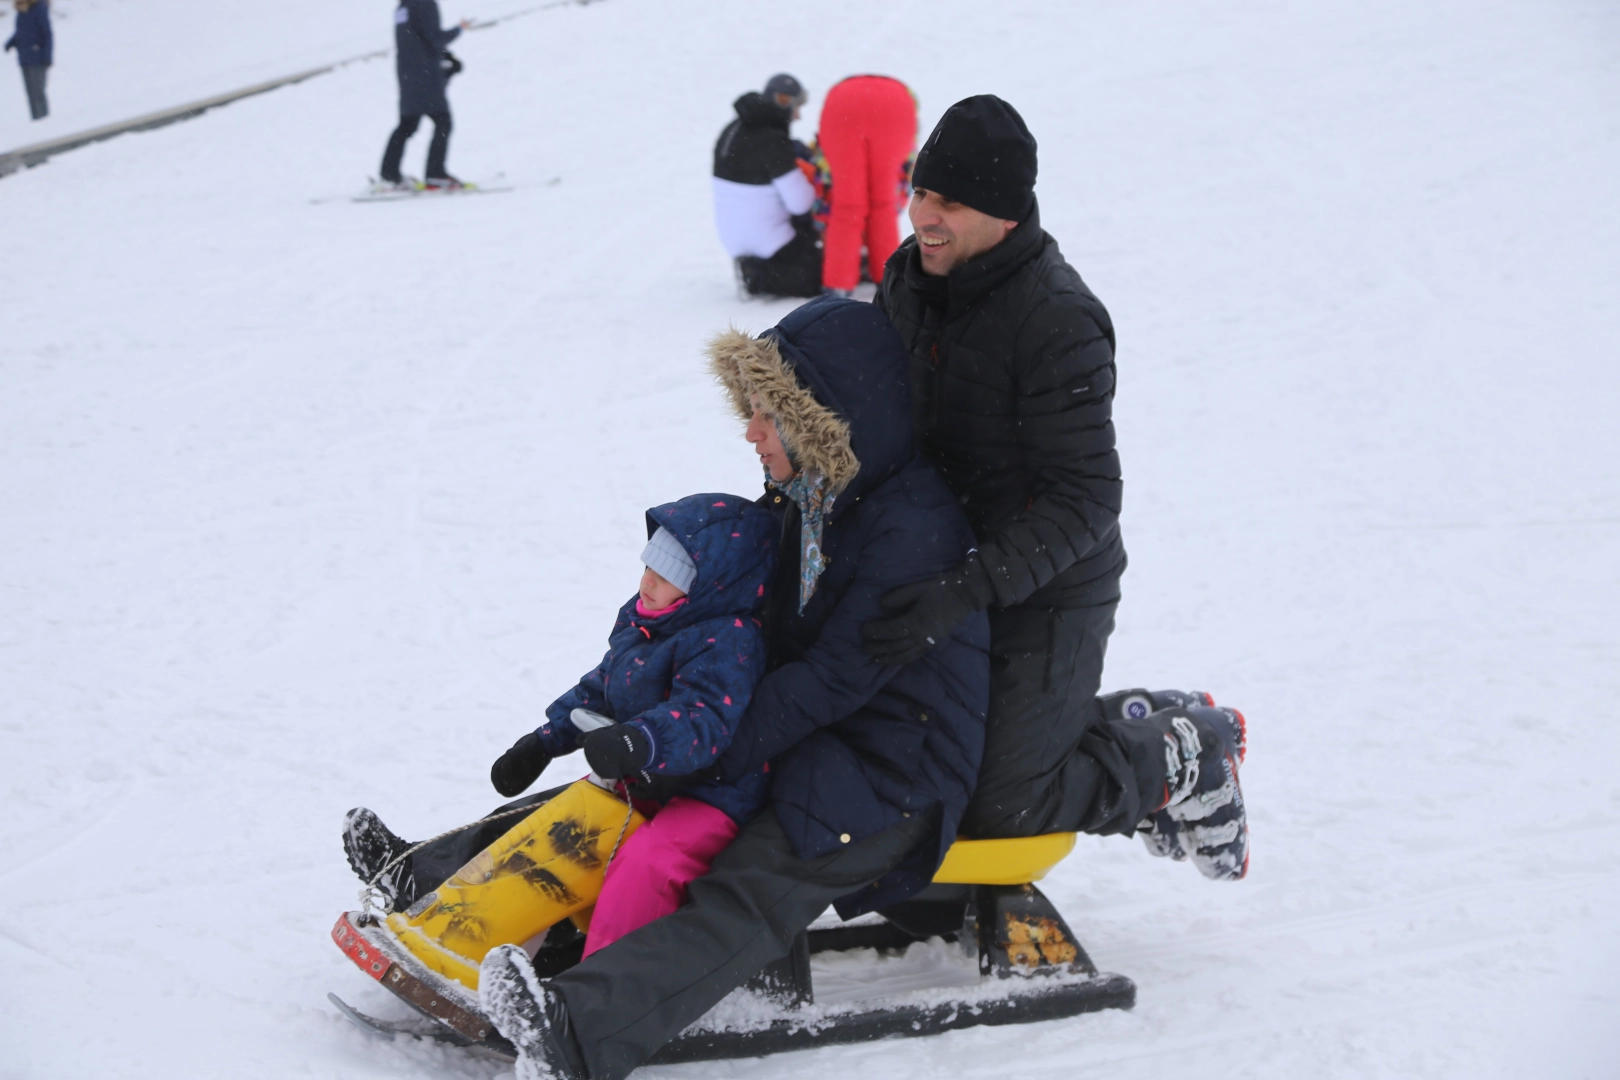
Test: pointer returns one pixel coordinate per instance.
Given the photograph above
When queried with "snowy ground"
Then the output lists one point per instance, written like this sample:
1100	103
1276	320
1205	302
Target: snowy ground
309	506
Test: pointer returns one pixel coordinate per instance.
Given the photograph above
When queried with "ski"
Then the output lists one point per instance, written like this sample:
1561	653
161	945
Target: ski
415	188
396	194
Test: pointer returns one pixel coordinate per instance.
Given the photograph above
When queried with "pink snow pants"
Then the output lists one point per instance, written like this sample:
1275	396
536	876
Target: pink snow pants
868	129
648	878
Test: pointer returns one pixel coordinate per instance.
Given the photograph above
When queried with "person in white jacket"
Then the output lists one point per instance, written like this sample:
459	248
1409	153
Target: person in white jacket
763	199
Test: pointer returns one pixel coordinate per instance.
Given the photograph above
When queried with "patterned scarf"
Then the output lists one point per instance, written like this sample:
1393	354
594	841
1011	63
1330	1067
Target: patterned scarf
808	490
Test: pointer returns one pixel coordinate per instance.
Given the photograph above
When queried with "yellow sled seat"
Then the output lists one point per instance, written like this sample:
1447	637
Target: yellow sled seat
546	869
1019	860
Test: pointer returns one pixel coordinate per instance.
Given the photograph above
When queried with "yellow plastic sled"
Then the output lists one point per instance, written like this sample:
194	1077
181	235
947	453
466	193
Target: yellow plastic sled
548	869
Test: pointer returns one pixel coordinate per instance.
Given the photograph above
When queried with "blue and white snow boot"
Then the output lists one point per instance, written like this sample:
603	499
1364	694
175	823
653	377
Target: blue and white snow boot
1203	818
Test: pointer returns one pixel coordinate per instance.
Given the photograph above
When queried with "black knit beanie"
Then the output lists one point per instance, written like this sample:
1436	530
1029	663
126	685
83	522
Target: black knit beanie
981	154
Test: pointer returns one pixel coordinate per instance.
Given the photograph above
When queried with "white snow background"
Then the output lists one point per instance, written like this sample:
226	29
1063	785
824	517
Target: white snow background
305	506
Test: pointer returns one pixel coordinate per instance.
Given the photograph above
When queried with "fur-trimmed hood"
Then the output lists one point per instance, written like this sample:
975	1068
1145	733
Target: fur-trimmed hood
834	375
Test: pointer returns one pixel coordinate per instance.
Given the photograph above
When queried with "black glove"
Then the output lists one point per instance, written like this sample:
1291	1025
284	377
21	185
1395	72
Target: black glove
923	614
618	751
520	766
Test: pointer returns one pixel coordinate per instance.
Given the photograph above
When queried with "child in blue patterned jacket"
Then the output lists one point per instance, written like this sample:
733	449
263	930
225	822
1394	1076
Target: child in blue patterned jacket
665	702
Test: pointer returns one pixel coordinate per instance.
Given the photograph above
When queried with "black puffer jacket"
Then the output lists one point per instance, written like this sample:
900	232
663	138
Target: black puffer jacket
1012	374
755	148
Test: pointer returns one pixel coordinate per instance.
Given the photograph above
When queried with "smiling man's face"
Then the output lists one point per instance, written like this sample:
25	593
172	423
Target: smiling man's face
952	233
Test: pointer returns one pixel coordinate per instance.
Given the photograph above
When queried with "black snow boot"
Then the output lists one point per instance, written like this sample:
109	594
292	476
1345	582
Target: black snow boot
531	1015
370	846
1203	818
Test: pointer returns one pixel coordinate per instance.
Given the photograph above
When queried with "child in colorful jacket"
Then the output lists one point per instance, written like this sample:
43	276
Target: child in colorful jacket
680	669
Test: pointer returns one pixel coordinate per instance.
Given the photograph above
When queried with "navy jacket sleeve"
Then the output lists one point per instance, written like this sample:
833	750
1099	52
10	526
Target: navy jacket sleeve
425	21
716	667
836	677
558	733
1065	404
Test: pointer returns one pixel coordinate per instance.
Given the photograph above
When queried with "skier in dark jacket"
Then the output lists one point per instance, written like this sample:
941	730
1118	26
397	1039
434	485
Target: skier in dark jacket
419	54
1012	367
763	199
35	51
871	764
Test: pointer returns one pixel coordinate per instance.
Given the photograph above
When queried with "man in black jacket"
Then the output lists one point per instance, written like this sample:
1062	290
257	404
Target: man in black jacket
1012	363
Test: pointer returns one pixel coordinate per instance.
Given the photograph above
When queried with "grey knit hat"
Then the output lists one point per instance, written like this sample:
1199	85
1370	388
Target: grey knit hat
666	557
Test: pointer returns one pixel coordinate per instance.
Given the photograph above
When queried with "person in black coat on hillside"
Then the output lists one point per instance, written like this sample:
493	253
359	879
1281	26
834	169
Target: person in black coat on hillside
871	764
420	45
763	199
35	47
1012	367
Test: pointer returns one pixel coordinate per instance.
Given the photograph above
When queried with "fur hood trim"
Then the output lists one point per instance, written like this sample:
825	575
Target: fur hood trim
815	436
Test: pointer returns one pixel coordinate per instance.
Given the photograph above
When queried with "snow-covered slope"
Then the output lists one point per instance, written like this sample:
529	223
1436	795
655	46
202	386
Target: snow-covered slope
313	505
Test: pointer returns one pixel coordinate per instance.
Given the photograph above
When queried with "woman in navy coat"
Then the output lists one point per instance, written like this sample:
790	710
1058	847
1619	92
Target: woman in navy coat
871	764
419	50
34	44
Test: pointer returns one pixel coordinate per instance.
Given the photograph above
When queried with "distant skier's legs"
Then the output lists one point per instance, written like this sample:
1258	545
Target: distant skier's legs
439	147
34	83
868	128
846	150
396	148
890	140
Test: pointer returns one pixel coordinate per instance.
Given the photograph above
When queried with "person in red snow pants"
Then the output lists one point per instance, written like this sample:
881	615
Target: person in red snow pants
649	878
868	130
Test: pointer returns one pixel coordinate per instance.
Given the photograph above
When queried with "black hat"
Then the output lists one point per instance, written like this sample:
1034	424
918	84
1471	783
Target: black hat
783	85
981	154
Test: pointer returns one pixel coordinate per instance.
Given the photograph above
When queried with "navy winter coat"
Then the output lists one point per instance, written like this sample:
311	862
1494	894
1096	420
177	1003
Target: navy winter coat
419	42
685	678
32	38
854	745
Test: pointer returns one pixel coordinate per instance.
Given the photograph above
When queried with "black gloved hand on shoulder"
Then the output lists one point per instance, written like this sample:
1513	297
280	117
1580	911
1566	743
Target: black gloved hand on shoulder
520	766
618	751
923	614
